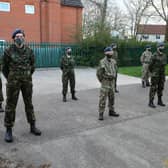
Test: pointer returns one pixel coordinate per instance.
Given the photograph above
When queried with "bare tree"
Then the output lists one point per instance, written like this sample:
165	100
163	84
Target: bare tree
161	7
103	15
136	10
118	20
102	6
95	14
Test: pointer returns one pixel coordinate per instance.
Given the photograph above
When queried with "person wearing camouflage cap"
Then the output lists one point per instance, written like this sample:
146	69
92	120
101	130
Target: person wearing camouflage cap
68	74
145	59
106	73
18	65
115	57
157	70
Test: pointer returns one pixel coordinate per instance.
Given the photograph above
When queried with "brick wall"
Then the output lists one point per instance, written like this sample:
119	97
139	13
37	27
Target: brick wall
50	23
17	18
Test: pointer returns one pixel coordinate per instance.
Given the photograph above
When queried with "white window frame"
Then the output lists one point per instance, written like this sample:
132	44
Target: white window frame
4	6
30	9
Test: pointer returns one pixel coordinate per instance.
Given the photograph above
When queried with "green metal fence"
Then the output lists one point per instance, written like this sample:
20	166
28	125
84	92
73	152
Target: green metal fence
49	54
46	54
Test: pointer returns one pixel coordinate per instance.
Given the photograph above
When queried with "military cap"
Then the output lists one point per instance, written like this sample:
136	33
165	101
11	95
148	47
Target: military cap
148	46
67	48
16	31
114	45
161	44
107	49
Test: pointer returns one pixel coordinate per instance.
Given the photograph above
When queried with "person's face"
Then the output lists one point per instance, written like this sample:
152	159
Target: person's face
161	49
109	54
69	51
148	49
115	48
19	39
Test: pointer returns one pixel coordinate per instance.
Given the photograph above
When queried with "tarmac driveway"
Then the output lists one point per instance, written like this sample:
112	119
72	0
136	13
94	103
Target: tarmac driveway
72	135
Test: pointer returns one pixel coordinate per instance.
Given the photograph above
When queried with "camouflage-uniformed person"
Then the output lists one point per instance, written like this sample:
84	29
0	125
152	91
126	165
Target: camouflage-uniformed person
157	69
18	66
1	97
115	57
106	73
68	74
1	92
145	59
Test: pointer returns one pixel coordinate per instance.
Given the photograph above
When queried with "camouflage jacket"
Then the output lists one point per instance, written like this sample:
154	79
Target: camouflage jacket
106	72
157	64
18	62
145	57
67	63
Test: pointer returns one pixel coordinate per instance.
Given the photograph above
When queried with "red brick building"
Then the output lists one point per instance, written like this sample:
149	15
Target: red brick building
42	20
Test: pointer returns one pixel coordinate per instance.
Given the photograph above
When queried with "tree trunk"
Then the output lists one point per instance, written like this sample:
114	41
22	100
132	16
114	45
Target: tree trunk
103	15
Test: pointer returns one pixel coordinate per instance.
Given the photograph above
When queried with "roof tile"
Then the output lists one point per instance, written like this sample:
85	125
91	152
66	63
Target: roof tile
151	29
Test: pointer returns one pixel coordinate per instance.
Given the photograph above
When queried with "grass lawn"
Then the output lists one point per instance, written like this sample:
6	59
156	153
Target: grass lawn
134	71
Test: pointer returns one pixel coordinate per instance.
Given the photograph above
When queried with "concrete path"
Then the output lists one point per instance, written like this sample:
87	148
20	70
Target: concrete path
86	79
73	137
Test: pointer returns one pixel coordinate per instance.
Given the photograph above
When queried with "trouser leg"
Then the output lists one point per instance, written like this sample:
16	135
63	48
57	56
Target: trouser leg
102	102
65	84
153	90
12	90
160	91
1	93
26	89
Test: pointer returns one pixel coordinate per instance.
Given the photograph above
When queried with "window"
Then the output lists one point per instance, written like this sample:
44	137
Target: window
29	9
145	37
5	6
157	36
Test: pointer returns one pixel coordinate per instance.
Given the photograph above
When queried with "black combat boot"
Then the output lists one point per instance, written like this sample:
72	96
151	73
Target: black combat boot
116	91
101	116
1	109
34	130
160	102
8	135
74	97
64	98
113	113
147	83
151	104
143	84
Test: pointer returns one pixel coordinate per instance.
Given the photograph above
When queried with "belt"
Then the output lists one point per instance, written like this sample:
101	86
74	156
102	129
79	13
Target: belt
108	78
22	72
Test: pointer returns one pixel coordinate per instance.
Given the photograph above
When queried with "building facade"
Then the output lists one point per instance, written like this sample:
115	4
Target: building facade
153	33
42	20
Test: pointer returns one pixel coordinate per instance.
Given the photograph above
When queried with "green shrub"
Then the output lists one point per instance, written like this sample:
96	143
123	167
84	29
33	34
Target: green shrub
129	51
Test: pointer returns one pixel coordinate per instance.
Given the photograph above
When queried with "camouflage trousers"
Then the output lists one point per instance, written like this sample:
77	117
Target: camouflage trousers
145	72
1	93
116	78
13	89
157	85
104	94
68	78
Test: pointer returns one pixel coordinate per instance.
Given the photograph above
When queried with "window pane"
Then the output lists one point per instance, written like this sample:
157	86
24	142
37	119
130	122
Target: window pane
29	9
4	6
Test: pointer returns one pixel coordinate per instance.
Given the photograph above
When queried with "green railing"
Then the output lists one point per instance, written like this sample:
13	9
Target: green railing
46	54
49	54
